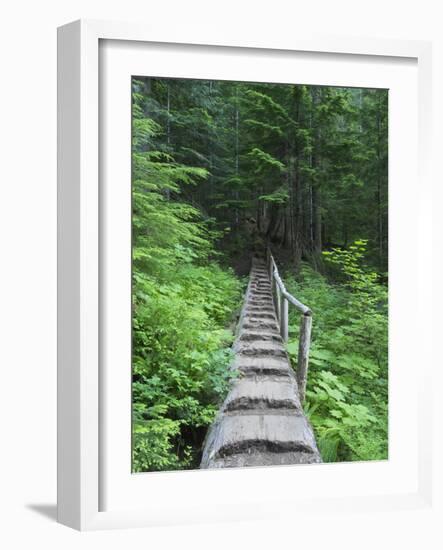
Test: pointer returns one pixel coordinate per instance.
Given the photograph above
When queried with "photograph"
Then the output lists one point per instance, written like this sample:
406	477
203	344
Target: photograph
259	274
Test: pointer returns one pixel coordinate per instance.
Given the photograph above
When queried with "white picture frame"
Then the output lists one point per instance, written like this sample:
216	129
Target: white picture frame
82	468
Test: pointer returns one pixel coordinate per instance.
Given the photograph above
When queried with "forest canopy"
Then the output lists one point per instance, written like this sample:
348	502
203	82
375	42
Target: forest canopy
219	169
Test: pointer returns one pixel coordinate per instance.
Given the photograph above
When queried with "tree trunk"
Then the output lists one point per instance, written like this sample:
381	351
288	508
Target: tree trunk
379	187
317	219
237	119
316	188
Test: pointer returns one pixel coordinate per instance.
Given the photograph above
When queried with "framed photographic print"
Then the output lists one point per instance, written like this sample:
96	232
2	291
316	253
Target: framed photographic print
239	272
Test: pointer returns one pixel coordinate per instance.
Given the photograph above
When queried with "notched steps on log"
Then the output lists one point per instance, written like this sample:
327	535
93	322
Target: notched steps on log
259	324
260	349
254	458
263	366
260	336
238	437
261	421
264	392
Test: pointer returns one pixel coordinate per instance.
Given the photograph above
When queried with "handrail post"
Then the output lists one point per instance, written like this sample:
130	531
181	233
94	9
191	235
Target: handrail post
284	319
278	298
303	354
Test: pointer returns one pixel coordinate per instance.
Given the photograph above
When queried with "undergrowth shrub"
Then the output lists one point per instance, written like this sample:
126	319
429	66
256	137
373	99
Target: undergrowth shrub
181	354
347	389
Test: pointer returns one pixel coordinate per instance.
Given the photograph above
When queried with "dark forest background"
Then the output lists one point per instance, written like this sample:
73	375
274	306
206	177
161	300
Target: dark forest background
219	170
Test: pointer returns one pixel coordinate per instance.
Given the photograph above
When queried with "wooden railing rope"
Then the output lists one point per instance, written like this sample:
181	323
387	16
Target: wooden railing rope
282	298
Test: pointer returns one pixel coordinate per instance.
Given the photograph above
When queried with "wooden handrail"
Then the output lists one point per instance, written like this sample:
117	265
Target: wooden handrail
301	307
283	297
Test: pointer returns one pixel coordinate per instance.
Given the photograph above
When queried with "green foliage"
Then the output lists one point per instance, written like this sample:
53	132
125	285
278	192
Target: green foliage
181	306
347	392
264	162
181	357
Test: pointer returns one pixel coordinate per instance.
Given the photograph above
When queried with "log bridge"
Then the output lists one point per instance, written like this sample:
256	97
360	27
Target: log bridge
261	422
